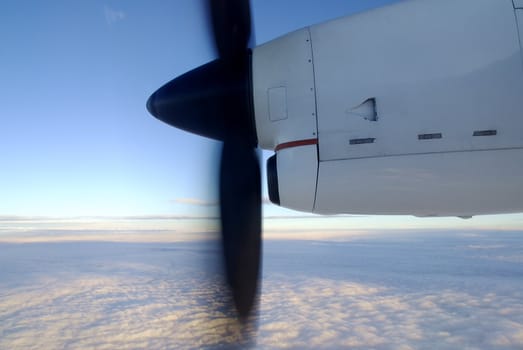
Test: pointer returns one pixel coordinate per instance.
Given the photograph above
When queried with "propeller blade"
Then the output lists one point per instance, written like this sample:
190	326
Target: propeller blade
240	209
215	101
231	23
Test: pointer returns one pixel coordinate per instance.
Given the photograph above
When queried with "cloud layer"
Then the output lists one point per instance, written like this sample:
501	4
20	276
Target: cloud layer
195	201
387	293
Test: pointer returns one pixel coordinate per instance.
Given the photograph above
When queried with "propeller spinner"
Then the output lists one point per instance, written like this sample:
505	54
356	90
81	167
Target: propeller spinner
215	101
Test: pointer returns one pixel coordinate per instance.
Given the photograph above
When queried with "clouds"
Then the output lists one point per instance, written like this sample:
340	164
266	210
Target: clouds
413	292
102	312
107	295
113	16
329	314
116	312
136	228
208	203
195	202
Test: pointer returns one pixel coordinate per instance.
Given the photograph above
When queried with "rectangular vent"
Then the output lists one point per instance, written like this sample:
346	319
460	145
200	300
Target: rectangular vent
361	141
485	133
429	136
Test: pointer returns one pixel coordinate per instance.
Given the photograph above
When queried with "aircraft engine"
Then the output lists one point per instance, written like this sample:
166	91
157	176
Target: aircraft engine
285	112
413	108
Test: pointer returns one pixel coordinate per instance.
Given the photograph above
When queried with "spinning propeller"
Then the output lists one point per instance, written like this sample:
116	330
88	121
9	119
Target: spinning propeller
215	101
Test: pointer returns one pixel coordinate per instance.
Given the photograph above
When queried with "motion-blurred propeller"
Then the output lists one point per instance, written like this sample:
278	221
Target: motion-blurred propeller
215	100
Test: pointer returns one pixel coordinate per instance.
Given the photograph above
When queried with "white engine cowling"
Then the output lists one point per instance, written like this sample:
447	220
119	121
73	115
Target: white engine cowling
285	111
413	108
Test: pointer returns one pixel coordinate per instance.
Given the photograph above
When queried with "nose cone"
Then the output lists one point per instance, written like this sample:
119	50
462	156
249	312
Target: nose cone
151	104
209	100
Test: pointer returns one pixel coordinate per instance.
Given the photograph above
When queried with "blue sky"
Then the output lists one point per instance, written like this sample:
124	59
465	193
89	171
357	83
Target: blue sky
76	139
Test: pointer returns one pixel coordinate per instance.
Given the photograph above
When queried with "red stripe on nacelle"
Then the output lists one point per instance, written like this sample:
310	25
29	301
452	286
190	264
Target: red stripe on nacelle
297	143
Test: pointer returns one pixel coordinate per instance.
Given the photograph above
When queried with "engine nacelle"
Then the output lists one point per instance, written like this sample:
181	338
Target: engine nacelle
413	108
285	110
292	174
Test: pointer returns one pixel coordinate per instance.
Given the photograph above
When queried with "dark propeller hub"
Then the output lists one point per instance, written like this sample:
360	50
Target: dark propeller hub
211	100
